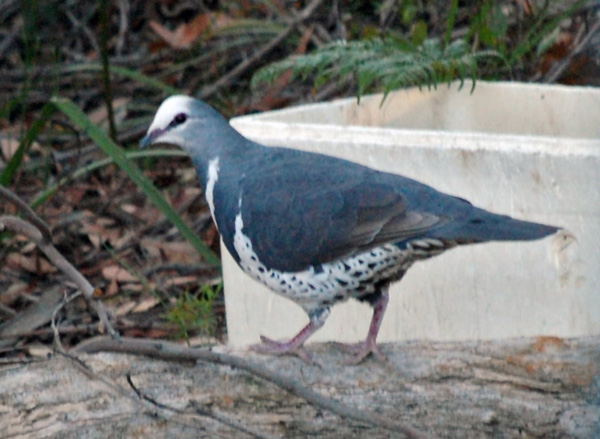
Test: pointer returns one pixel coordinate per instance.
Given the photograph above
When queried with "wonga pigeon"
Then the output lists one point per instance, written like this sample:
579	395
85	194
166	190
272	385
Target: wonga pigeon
317	229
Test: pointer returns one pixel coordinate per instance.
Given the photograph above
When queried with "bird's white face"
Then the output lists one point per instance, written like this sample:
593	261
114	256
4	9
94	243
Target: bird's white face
169	122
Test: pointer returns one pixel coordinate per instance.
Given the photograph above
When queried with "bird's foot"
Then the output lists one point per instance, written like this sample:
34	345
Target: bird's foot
363	350
274	347
295	345
369	347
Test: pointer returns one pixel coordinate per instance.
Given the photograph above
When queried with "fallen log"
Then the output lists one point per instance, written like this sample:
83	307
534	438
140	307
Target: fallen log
543	387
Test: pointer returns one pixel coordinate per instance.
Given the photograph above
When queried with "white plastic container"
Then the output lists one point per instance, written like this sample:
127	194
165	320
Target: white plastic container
530	151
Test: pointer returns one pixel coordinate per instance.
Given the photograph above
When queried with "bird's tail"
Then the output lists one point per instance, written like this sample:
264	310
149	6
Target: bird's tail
492	227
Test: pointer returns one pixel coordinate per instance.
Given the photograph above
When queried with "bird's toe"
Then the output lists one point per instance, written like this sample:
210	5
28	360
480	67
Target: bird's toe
361	351
273	347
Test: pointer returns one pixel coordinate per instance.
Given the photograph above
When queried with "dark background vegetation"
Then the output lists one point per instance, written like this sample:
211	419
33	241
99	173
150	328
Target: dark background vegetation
117	60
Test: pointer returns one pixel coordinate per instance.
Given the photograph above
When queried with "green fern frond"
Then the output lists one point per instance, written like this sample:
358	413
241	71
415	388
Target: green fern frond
381	64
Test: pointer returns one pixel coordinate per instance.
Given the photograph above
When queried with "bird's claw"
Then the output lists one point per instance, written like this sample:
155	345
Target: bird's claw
362	350
274	347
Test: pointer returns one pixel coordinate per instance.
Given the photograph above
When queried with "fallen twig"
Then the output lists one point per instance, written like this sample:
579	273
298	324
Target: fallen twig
27	211
124	8
57	343
34	316
171	351
27	229
558	69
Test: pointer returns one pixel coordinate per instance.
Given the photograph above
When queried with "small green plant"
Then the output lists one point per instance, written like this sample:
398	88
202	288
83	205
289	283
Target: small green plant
496	41
382	63
194	312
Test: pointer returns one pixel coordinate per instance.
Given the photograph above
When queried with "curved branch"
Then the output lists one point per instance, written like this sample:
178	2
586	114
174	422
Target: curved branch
27	229
27	211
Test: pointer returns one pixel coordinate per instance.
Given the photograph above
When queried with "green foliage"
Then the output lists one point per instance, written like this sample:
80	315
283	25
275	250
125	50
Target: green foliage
26	141
194	312
382	64
450	22
490	26
496	42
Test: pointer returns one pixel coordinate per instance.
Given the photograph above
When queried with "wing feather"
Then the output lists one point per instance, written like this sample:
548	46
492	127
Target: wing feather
320	211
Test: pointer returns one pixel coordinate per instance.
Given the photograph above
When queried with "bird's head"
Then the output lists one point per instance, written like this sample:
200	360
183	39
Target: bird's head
182	121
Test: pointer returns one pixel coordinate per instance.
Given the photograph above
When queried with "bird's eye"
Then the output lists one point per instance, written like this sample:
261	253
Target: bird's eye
180	118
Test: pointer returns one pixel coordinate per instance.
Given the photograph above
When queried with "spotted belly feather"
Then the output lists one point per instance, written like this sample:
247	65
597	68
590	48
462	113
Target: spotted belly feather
356	276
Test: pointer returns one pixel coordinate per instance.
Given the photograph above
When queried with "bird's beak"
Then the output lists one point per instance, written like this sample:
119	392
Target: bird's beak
150	138
145	141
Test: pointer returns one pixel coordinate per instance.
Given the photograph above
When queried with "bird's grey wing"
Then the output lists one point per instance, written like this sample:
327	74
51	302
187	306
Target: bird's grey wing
301	216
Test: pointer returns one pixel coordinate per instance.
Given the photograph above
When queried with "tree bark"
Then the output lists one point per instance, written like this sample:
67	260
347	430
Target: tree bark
526	388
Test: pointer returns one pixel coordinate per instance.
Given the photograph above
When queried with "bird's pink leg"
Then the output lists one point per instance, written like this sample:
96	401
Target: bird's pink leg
295	345
369	346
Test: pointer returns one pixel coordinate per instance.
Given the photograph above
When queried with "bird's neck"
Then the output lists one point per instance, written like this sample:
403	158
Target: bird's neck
228	148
